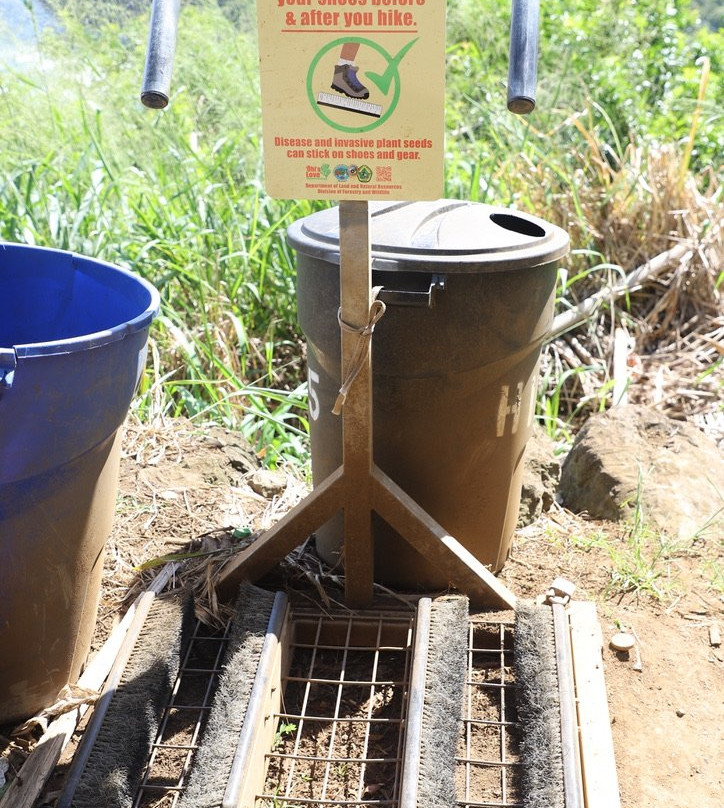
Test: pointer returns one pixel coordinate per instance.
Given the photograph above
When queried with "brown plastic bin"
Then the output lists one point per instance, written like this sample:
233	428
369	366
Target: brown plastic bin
469	290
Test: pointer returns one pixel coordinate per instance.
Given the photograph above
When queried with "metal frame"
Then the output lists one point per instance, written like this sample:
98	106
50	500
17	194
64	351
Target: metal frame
326	651
489	708
183	719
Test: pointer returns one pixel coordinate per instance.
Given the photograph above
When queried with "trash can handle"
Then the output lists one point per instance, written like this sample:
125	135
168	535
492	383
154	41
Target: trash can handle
424	297
160	53
8	363
523	57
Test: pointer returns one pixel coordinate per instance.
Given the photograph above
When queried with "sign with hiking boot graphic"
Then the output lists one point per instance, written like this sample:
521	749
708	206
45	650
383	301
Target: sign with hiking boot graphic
353	98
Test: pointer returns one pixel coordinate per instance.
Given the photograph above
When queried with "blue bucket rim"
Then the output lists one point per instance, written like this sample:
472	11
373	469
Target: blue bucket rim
97	338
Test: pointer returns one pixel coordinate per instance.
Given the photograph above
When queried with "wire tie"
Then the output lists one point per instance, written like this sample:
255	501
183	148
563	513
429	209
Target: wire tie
362	348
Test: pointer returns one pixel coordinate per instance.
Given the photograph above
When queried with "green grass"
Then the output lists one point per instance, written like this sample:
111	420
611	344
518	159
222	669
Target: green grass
638	559
714	575
641	558
641	566
178	197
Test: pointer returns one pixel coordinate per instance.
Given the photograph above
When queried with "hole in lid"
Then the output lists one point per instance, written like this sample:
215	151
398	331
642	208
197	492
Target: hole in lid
518	225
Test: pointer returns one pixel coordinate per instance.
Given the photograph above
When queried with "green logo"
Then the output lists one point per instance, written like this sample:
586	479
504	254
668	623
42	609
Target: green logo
364	173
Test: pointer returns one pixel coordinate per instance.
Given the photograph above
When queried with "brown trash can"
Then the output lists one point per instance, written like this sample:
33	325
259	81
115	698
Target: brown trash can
469	290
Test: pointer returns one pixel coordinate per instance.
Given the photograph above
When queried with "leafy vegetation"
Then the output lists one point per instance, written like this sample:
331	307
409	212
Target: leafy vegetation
623	152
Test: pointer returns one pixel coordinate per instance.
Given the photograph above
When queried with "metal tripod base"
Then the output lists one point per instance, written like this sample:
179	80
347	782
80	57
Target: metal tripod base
359	487
383	496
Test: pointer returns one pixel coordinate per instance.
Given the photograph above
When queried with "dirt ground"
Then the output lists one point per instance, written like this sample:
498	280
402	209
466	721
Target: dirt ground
187	488
666	719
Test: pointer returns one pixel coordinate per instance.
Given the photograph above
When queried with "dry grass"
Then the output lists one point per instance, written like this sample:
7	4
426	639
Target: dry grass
639	206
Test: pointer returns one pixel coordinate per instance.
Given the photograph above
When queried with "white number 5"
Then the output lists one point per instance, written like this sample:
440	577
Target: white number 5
314	406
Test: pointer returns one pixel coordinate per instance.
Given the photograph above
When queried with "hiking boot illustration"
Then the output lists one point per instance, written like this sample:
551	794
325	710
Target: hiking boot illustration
345	81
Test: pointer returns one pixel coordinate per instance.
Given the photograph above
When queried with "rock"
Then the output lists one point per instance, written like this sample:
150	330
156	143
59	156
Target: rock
268	483
238	452
540	477
633	454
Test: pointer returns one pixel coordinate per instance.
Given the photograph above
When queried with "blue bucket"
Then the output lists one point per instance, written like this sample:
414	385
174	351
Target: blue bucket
73	338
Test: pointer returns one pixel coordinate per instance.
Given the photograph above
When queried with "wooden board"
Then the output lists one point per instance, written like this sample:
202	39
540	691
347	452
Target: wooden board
289	532
598	764
359	487
430	539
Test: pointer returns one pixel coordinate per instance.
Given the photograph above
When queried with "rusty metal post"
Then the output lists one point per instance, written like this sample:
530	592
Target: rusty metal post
355	276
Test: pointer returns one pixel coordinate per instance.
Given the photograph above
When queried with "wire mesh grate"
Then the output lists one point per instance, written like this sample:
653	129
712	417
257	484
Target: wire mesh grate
340	734
182	721
488	765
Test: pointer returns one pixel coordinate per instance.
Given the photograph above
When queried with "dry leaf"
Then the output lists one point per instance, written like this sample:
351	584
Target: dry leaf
70	697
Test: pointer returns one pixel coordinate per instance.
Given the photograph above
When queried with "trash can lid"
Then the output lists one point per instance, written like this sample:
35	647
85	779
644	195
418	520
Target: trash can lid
452	235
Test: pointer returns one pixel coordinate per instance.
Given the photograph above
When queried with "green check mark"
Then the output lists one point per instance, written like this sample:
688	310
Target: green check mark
384	80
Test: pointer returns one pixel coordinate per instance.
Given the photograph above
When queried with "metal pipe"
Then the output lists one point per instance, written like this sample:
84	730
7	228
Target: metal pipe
572	779
159	54
523	64
254	718
415	705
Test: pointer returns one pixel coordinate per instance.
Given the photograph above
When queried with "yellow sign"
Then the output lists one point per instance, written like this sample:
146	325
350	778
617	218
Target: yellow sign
353	98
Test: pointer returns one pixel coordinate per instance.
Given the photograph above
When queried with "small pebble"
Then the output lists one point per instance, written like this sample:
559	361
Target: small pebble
622	641
268	483
714	635
680	713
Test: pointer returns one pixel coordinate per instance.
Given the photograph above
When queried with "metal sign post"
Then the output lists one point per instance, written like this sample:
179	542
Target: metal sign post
355	285
378	135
